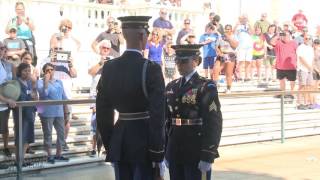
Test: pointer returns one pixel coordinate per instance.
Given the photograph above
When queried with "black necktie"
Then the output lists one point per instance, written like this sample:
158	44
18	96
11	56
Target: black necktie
183	81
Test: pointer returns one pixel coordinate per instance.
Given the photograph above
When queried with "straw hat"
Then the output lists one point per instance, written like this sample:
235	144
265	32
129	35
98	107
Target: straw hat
10	89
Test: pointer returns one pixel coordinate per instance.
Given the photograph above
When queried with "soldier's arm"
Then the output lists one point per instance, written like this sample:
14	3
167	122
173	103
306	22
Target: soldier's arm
104	113
212	123
155	88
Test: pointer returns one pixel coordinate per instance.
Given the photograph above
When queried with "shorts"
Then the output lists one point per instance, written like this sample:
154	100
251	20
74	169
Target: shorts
244	54
316	76
4	118
269	61
291	75
305	78
208	62
227	57
93	126
257	57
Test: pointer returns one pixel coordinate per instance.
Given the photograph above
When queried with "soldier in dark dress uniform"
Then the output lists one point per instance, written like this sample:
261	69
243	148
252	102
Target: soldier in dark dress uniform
194	120
135	142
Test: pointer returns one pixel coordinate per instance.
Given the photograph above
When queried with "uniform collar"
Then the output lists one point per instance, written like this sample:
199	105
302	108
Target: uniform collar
188	77
134	50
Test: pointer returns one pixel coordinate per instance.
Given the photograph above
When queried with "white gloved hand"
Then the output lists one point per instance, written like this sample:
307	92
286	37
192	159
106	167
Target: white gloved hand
166	163
204	166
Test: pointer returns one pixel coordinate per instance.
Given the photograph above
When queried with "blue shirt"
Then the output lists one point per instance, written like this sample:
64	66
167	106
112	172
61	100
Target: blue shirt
155	52
209	50
53	92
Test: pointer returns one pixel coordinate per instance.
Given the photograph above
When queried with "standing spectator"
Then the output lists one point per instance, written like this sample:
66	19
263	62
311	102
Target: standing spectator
211	16
316	70
28	93
286	60
216	22
7	73
270	58
162	24
263	23
209	40
244	51
15	46
113	34
26	57
305	60
185	31
25	28
50	88
95	65
258	52
169	61
154	46
299	20
226	59
65	70
299	36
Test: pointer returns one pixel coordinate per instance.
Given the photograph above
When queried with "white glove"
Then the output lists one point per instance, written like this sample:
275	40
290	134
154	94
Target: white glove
162	167
166	163
204	166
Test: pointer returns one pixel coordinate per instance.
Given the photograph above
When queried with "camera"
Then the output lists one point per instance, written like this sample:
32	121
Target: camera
64	29
282	34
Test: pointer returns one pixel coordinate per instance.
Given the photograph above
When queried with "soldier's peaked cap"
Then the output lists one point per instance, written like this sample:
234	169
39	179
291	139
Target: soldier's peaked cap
186	51
134	22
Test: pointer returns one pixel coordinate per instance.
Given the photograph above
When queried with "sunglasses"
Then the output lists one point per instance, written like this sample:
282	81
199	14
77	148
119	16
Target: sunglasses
103	47
156	34
164	13
49	70
186	23
68	27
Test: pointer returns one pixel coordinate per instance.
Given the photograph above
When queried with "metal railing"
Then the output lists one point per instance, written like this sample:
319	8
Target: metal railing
22	104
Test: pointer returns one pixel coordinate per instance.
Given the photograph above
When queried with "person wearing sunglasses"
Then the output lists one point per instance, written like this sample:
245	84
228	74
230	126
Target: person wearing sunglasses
194	119
50	88
113	34
163	24
184	32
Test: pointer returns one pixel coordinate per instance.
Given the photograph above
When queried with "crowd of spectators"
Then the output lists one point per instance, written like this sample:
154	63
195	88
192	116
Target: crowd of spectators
240	52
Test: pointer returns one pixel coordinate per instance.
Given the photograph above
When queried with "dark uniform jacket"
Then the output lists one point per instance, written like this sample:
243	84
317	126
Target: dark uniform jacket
198	98
120	88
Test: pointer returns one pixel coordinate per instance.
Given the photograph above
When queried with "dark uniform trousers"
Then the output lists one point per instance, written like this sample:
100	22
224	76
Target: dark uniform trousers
132	144
187	172
193	127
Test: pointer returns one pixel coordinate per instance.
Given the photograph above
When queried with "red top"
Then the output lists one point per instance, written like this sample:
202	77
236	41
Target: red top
299	20
286	56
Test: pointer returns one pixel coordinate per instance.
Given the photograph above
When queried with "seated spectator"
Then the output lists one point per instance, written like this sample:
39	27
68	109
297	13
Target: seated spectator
7	73
15	46
154	46
50	88
28	93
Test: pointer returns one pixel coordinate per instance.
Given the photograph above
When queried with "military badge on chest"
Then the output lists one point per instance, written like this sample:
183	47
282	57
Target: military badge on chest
190	97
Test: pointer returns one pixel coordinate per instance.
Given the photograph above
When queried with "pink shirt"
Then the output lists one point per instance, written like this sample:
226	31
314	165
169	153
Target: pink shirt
286	56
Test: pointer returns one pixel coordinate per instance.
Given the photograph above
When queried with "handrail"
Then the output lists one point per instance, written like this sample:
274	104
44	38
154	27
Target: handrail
21	104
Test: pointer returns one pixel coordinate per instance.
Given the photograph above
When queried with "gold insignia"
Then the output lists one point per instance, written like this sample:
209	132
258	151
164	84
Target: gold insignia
170	108
213	106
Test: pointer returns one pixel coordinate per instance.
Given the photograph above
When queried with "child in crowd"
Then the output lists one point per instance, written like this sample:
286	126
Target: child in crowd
15	46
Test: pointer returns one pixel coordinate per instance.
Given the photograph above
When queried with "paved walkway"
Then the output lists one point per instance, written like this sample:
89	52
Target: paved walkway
296	159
